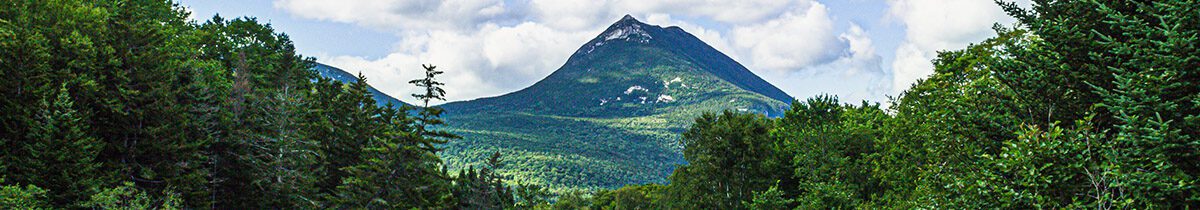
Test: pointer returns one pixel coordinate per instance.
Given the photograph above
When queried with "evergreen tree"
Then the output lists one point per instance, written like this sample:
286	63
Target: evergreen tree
483	188
61	156
28	197
128	197
530	196
396	172
429	116
266	86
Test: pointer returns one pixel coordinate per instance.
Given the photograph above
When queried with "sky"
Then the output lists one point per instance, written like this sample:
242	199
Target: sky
854	49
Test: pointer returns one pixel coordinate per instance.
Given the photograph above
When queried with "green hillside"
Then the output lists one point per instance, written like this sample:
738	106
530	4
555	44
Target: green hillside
611	115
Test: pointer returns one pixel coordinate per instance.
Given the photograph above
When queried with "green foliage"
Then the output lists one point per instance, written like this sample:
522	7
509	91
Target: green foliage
483	188
529	196
62	155
578	129
110	70
28	197
730	157
649	196
429	116
128	197
396	170
770	199
572	200
176	114
830	145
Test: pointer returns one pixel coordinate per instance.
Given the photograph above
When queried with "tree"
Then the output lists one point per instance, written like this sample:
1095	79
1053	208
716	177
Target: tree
261	88
647	196
1129	66
129	104
530	196
730	157
28	197
770	199
430	116
829	146
572	200
61	155
120	61
396	172
128	197
483	188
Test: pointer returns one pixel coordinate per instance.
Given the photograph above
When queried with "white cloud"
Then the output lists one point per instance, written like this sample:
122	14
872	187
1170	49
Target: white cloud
797	39
400	14
933	25
856	75
571	15
476	64
744	11
492	47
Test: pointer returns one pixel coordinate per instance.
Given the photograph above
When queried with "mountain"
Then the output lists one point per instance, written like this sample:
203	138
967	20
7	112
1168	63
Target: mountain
612	114
381	99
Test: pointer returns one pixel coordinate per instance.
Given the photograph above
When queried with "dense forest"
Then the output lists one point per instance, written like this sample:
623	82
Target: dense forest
127	104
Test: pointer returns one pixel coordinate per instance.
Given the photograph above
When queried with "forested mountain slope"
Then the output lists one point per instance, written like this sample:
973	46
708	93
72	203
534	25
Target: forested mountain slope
612	114
340	75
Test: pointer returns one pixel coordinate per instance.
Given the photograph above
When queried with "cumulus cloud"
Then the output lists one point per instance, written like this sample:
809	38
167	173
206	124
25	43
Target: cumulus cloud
571	15
797	39
933	25
492	47
402	14
492	61
746	11
856	75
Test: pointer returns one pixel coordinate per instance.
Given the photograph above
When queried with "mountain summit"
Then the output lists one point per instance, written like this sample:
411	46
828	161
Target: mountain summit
633	57
612	114
683	44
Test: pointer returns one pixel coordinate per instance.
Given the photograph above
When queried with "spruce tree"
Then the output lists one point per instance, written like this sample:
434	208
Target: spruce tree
395	172
429	116
61	155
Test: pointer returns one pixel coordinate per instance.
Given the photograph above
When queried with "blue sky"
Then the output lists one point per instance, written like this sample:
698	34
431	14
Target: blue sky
855	49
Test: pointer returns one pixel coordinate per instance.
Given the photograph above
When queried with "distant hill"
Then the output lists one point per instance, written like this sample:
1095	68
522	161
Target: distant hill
335	73
612	114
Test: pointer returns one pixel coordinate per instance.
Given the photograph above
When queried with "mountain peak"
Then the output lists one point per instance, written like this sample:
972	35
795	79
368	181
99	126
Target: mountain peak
627	21
620	101
627	29
629	33
631	58
628	18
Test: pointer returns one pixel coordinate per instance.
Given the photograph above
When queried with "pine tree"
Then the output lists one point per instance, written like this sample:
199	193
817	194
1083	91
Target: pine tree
483	188
17	197
395	172
61	155
429	116
266	87
128	197
1134	62
283	159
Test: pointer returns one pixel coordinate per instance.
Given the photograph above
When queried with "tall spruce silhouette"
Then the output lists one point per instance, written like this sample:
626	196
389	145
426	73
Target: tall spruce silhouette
430	115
